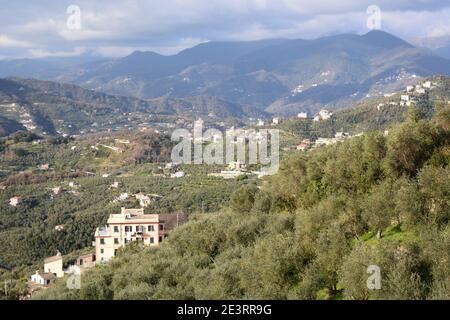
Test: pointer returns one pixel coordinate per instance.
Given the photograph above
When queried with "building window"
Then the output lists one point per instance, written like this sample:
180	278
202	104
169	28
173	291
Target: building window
116	240
81	262
152	240
161	227
139	229
160	239
126	241
128	228
151	228
102	250
115	252
116	228
102	241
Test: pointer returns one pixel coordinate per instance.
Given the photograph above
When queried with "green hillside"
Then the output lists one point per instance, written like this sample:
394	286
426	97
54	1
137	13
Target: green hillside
311	231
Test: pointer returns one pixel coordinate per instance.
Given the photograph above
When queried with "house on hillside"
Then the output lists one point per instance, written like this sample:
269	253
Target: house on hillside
15	201
144	200
427	84
44	166
86	261
73	184
322	115
302	115
133	225
60	227
179	174
302	146
114	185
405	97
236	165
54	265
43	278
276	120
57	190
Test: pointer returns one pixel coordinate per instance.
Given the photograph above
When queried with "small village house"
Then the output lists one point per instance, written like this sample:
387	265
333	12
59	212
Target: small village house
54	265
59	227
404	97
302	146
44	166
302	115
86	261
421	91
179	174
236	165
427	84
43	278
57	190
144	200
322	115
14	201
115	185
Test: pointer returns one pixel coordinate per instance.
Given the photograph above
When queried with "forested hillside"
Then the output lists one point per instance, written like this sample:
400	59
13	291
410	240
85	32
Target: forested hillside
311	231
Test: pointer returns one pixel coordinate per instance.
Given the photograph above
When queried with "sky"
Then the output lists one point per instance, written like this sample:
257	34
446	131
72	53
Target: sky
60	28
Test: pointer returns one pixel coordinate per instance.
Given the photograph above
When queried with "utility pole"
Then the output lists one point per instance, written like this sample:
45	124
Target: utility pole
6	288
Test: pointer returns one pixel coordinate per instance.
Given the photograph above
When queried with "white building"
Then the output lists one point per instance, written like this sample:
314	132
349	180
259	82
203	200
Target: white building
144	200
115	185
421	90
323	115
123	197
427	84
302	115
179	174
14	201
43	278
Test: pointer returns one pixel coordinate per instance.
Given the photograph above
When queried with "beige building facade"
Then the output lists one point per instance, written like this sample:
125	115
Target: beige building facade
132	225
54	265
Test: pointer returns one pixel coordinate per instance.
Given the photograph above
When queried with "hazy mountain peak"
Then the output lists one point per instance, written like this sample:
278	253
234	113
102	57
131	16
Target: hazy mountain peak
384	40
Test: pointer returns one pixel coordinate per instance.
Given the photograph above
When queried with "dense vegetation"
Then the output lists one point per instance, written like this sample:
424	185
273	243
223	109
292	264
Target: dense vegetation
311	231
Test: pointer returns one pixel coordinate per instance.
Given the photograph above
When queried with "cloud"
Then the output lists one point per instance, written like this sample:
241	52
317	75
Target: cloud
42	53
167	26
7	42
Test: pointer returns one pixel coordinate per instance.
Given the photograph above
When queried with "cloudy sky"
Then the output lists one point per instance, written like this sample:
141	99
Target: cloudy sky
42	28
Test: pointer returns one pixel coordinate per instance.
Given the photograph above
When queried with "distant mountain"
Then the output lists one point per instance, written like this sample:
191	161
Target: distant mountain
55	108
443	52
276	76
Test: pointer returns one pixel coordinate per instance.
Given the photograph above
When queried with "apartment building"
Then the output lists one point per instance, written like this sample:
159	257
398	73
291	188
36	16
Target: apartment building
133	225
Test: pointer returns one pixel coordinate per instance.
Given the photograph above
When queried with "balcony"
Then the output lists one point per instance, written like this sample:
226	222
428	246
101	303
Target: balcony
103	232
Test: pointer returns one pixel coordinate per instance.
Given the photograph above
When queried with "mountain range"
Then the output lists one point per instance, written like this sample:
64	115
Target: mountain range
58	108
254	78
